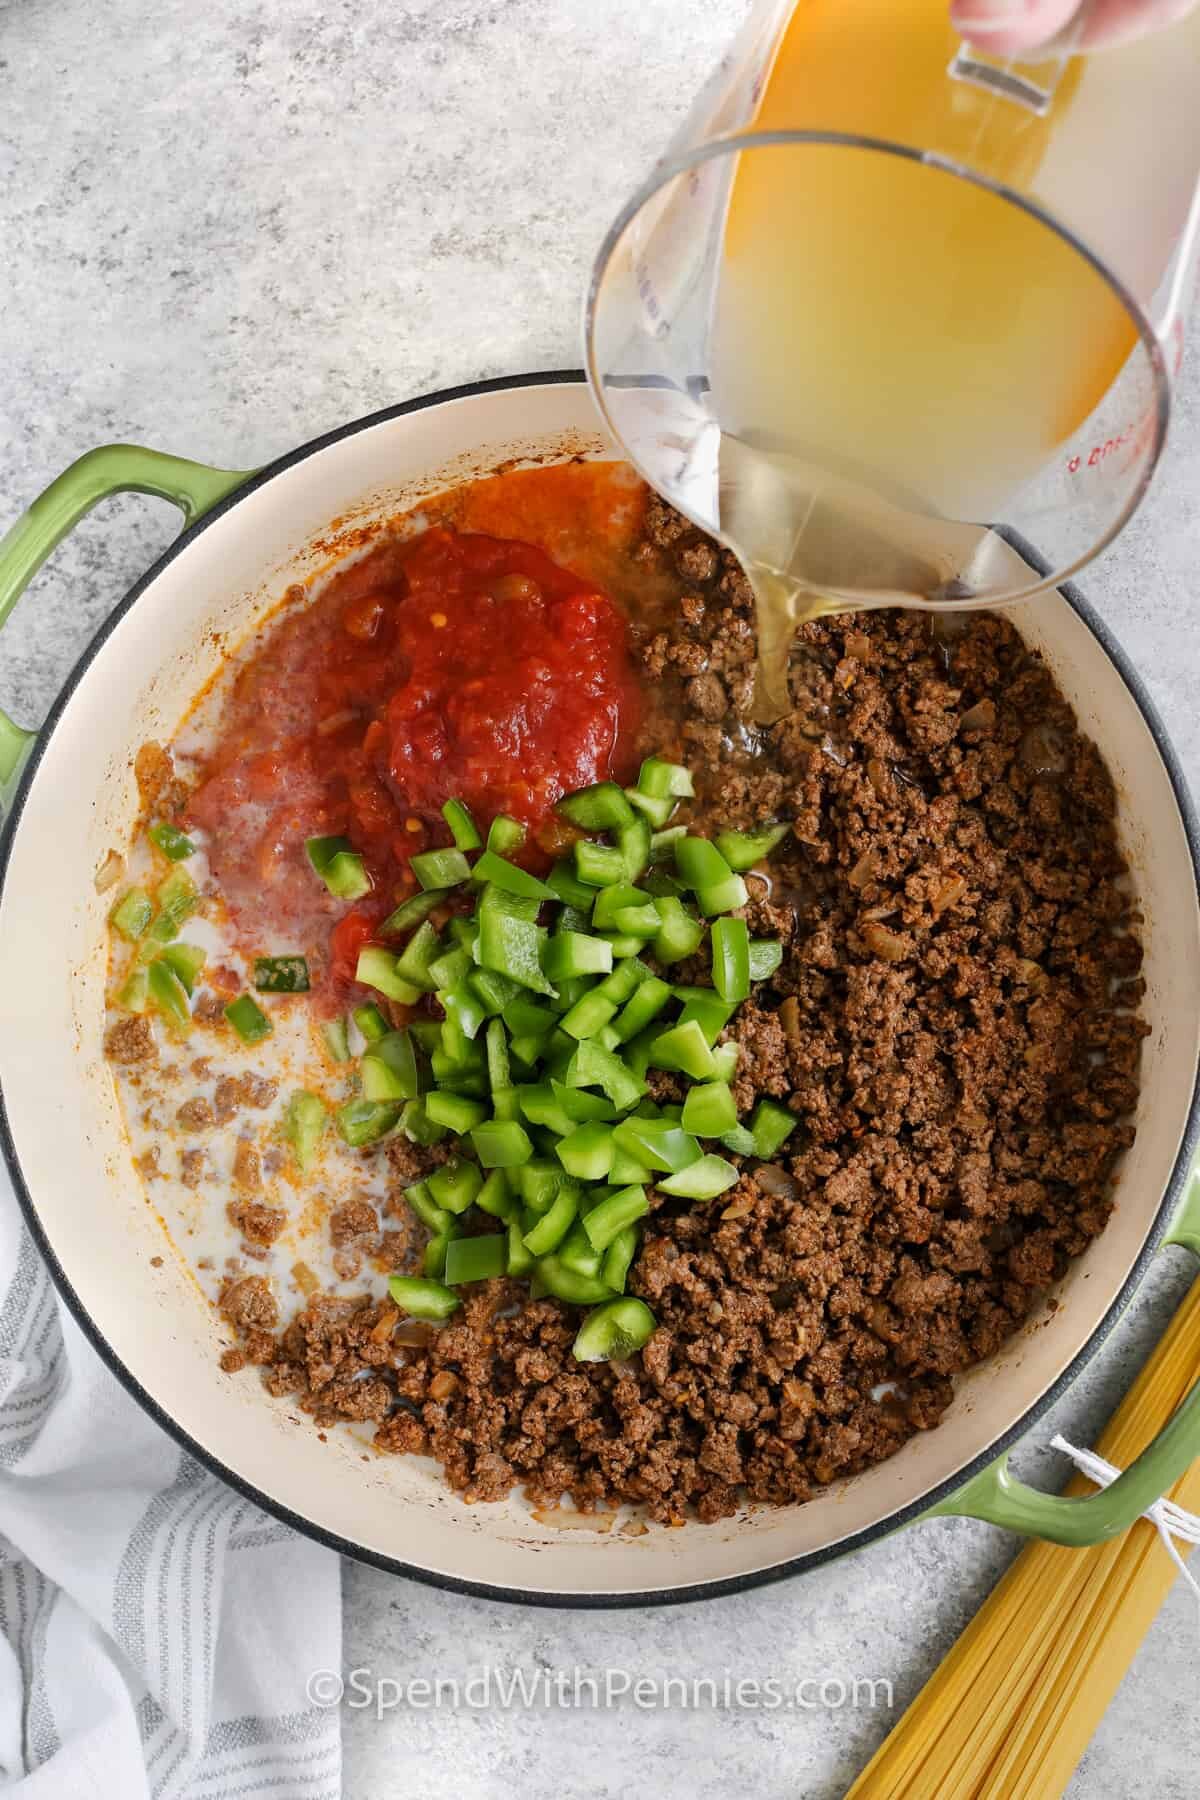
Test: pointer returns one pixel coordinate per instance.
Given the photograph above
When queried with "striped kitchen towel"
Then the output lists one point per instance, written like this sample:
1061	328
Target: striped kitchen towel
156	1630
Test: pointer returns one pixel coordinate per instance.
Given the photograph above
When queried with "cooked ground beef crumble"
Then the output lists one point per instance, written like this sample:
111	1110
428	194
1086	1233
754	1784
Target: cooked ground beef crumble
955	1025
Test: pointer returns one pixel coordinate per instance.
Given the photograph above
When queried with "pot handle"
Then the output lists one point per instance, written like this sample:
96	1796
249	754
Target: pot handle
998	1498
112	469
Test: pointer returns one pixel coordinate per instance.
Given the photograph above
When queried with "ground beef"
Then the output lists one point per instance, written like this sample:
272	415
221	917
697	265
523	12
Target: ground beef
130	1040
954	1026
257	1221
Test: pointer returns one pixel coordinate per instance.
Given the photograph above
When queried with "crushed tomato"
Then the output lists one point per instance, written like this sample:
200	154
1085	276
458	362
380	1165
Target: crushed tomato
452	665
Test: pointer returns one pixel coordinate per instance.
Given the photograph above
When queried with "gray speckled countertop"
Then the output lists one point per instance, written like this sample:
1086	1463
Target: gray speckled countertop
227	228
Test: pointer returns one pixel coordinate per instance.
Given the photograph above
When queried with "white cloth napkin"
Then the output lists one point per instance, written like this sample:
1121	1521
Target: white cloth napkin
156	1630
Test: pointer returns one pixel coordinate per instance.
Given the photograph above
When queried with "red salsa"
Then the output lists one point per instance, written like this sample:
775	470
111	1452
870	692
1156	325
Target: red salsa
451	665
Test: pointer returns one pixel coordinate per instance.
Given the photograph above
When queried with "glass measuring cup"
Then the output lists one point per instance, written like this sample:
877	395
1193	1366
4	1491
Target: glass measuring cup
886	291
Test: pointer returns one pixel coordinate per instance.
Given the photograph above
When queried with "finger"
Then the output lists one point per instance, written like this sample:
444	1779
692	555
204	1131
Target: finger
1010	27
1006	27
1112	22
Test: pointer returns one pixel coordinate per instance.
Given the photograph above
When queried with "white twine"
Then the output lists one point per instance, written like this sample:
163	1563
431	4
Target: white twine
1170	1521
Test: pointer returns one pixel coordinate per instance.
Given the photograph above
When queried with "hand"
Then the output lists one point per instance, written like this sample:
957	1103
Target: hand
1007	27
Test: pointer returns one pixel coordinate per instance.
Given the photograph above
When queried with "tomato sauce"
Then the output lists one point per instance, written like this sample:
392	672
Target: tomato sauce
450	664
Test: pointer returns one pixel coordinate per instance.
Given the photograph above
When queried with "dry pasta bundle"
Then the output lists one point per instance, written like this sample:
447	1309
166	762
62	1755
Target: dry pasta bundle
1012	1707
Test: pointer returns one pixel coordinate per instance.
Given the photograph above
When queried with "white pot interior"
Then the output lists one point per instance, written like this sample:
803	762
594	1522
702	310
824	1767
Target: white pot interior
67	1129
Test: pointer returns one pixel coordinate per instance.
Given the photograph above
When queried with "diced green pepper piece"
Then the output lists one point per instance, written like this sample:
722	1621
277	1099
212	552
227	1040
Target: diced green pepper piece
613	1331
702	1180
455	1111
539	1182
554	1224
647	1002
772	1125
505	835
568	1285
336	1039
731	959
709	1110
178	898
376	968
281	974
633	841
576	1253
514	948
501	1144
599	865
699	862
541	1107
187	960
366	1121
494	899
435	1252
742	849
132	914
134	995
413	911
370	1022
591	1066
665	780
462	826
168	996
638	921
451	967
624	981
173	843
455	1185
706	1006
520	1260
494	990
606	1221
440	868
587	1152
415	961
614	1270
627	1170
573	953
476	1258
464	1006
418	1127
431	1215
654	809
499	1073
765	956
496	1196
739	1140
725	1061
389	1069
722	897
509	878
683	1047
304	1124
679	934
587	1016
624	945
339	866
246	1016
422	1299
568	887
580	1106
601	807
610	900
662	843
657	1143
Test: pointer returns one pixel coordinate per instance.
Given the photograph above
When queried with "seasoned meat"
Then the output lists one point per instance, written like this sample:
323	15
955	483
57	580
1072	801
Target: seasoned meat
130	1040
